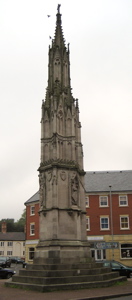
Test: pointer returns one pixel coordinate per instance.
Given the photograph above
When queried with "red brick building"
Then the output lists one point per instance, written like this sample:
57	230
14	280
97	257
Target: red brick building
32	226
109	216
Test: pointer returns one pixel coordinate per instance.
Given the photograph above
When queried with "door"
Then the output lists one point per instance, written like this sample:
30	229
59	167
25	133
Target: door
98	254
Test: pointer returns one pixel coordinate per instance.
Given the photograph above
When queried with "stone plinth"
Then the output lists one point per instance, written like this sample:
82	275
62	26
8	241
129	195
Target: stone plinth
60	251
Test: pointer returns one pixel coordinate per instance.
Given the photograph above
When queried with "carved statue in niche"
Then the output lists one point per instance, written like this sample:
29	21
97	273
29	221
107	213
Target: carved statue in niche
52	115
42	190
54	179
60	119
57	87
60	114
74	190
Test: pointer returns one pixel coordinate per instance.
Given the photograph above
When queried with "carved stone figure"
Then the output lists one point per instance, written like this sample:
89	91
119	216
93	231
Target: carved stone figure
42	190
74	191
54	179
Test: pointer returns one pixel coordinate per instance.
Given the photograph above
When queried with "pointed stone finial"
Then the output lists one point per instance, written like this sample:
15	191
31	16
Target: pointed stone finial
58	15
58	8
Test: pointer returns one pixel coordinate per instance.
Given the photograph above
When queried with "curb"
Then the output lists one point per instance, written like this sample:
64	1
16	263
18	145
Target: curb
104	297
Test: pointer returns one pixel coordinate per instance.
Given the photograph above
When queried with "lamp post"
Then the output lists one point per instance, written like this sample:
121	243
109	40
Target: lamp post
111	221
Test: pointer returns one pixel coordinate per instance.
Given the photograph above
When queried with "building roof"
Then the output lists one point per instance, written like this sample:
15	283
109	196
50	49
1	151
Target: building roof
120	181
12	236
100	181
34	198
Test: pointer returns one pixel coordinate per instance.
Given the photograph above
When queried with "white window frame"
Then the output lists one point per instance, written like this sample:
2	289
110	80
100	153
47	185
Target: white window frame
124	228
1	244
9	253
104	217
32	210
87	223
2	252
125	199
101	201
98	254
9	244
32	228
87	201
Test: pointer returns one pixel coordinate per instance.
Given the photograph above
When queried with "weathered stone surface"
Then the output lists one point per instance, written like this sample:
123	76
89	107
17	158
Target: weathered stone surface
68	276
61	175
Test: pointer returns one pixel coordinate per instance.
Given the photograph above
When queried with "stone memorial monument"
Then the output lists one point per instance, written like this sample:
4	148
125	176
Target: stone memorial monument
61	174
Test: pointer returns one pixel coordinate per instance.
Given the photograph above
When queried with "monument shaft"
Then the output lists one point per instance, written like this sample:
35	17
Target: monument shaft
61	175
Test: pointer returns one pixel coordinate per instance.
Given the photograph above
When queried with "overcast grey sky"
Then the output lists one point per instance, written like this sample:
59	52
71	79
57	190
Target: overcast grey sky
100	37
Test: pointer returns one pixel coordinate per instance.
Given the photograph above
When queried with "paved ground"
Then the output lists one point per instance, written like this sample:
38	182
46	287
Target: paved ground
123	298
8	293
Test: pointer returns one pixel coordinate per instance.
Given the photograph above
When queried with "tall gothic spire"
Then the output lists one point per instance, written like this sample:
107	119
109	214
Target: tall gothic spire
59	39
59	64
61	129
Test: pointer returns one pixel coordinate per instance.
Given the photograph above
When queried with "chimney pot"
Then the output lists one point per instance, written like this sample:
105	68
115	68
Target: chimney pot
4	227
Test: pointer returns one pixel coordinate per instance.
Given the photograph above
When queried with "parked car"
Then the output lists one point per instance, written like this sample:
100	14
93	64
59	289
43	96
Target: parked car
5	261
6	273
16	260
117	266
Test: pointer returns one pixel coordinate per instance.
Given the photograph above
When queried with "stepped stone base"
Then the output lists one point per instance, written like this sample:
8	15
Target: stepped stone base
69	276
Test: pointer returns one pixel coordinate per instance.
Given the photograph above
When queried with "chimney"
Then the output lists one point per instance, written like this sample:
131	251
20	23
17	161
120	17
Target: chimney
3	227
